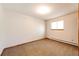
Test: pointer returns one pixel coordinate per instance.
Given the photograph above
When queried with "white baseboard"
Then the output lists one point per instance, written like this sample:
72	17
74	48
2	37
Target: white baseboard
12	45
75	44
18	43
1	50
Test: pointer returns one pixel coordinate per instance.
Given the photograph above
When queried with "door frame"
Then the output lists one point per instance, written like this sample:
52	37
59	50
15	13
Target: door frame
78	27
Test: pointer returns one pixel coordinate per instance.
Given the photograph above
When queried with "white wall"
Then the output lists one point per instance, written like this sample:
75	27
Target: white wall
2	31
69	34
17	28
21	28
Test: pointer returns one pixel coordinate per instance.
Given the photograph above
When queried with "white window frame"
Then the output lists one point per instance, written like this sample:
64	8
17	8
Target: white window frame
59	25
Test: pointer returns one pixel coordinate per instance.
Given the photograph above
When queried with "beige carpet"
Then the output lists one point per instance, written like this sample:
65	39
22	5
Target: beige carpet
44	47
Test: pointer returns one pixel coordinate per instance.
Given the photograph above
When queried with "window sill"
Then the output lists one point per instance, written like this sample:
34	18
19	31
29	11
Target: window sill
57	29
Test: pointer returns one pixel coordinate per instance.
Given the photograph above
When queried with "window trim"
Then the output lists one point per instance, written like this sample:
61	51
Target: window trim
57	25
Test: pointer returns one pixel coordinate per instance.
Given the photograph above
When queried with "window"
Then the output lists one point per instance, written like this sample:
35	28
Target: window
57	25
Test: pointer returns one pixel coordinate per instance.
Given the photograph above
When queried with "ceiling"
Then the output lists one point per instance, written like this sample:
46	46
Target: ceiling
57	9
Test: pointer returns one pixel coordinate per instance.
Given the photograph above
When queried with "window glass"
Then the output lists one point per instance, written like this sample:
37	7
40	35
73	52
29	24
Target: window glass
57	25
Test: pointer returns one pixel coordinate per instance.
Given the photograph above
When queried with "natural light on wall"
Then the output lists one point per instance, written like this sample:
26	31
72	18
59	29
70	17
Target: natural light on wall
57	25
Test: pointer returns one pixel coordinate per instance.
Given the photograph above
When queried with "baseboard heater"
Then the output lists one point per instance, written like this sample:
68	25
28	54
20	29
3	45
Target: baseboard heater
71	43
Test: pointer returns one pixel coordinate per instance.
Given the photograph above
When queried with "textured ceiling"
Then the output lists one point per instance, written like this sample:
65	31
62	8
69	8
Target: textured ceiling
57	9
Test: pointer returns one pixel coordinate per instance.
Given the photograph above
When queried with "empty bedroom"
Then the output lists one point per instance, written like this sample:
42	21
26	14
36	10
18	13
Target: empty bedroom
39	29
